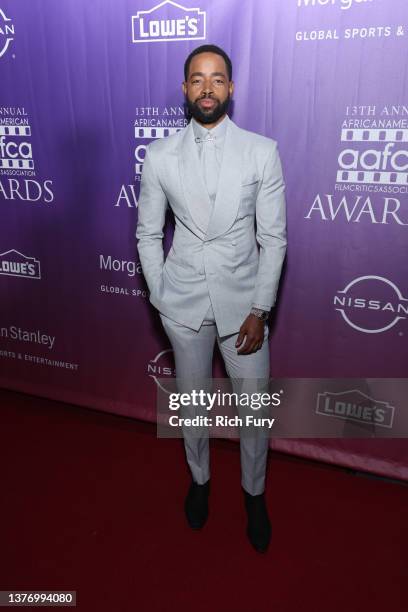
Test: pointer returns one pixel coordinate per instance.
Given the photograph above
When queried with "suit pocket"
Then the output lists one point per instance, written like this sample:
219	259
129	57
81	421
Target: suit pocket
249	190
182	264
175	260
249	182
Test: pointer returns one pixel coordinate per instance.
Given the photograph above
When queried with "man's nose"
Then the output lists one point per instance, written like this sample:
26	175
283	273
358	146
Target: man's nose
207	87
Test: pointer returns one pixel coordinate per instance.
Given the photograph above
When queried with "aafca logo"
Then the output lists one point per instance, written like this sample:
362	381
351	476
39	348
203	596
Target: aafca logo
354	405
15	149
374	155
14	263
371	304
162	366
168	21
6	32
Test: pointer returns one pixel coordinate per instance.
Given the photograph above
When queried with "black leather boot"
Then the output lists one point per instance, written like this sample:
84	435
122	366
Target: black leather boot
259	526
196	504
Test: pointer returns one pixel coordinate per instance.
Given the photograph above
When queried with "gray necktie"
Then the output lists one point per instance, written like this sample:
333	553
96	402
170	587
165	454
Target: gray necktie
209	165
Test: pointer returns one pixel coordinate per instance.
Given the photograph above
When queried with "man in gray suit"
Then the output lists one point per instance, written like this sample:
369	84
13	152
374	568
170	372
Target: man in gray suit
220	278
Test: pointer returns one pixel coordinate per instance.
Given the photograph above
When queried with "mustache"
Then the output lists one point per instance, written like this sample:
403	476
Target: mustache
207	98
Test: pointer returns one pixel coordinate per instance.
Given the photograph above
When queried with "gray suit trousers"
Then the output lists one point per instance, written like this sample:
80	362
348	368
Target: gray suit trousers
193	354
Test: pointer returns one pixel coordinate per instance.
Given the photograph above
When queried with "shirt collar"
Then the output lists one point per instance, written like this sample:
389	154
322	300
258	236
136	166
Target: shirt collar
218	131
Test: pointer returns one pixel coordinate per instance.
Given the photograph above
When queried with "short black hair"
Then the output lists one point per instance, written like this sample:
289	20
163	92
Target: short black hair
208	49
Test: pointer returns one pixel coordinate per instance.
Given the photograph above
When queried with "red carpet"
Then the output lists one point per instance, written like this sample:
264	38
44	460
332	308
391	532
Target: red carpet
93	502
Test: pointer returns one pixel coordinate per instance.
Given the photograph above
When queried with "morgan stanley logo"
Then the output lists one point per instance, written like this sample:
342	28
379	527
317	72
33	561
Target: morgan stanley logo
168	21
354	405
14	263
6	32
371	304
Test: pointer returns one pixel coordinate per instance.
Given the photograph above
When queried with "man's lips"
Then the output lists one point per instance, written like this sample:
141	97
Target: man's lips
206	102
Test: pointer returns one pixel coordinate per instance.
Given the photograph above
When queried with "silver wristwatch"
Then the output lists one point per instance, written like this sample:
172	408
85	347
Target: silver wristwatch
261	314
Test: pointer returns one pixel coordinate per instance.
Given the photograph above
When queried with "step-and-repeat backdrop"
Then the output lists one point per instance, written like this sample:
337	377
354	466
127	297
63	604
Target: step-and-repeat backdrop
85	86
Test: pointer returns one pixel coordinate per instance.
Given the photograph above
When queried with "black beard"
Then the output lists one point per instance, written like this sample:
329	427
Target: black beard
211	116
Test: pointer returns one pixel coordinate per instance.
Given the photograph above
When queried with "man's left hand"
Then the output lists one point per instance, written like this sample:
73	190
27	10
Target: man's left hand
253	328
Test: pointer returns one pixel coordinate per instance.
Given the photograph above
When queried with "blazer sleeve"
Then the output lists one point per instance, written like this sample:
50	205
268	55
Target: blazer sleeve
270	231
151	218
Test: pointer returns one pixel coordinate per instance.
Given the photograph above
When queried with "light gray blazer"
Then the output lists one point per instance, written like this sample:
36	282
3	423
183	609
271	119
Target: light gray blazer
226	255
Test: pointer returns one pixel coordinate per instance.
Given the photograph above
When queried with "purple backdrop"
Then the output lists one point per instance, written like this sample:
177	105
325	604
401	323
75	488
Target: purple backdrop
84	86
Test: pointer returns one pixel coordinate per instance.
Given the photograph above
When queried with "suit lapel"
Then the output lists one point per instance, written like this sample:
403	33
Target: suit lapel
229	184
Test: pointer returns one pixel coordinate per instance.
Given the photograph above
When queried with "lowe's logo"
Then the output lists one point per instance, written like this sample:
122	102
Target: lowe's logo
168	21
14	263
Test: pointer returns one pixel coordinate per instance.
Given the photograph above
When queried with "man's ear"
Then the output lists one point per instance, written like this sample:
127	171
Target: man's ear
184	87
231	87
